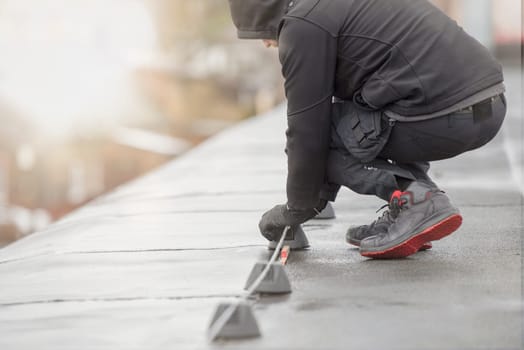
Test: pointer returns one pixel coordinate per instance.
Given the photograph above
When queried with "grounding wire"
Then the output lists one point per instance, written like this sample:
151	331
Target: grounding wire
228	313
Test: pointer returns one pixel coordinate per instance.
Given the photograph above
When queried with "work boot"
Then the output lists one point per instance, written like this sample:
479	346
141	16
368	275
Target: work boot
425	214
356	234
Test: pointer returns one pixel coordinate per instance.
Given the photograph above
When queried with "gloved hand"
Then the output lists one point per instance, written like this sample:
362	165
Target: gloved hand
274	221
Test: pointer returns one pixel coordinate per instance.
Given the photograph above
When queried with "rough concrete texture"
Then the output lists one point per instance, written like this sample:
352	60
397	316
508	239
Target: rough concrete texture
146	266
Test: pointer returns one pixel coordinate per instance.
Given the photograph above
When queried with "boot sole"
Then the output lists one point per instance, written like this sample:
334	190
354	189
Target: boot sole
425	246
414	244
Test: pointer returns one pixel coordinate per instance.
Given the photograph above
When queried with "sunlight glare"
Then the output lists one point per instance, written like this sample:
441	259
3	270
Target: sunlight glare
67	63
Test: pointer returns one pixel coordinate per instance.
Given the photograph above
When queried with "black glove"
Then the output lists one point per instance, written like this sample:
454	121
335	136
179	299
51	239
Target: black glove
274	221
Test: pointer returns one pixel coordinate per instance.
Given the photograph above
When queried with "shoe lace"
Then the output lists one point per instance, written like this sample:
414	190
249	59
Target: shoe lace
386	215
382	208
397	203
394	207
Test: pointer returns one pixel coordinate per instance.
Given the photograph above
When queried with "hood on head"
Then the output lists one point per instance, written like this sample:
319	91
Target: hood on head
257	19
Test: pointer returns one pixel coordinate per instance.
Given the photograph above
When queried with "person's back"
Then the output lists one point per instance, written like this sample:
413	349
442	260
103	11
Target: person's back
403	55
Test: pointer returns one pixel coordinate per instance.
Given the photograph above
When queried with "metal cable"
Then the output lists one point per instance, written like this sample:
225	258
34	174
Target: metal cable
226	315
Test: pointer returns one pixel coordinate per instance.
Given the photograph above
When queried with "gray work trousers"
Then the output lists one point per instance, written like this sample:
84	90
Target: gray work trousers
410	148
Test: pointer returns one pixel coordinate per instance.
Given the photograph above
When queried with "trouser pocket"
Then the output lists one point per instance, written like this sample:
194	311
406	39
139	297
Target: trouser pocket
363	132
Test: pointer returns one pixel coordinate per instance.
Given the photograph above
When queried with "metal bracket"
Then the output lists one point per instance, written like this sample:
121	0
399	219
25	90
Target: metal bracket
233	321
275	281
295	238
327	213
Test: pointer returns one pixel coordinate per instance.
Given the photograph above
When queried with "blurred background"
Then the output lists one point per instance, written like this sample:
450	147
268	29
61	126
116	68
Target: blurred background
94	93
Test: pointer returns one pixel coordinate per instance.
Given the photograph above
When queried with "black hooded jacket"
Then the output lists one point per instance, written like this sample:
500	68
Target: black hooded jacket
258	19
405	56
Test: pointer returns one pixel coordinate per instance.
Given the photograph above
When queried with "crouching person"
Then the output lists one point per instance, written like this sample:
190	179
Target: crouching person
376	90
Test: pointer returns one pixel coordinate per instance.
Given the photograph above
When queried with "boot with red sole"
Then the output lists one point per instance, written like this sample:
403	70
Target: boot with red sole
425	214
356	234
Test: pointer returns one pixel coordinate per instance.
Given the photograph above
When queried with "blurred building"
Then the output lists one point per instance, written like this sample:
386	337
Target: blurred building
496	23
41	183
200	56
15	134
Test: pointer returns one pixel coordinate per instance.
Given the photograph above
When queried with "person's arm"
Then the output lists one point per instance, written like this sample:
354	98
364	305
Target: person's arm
308	55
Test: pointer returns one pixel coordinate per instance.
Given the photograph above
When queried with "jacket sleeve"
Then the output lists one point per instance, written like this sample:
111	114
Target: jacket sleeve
308	57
